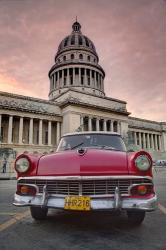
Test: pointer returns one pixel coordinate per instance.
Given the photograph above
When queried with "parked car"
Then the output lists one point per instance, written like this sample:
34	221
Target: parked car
90	171
161	163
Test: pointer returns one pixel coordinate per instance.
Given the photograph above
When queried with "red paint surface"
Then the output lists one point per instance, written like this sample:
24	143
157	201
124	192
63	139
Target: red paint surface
93	162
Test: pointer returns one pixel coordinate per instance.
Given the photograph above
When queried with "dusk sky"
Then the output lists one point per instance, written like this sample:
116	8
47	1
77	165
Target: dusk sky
129	36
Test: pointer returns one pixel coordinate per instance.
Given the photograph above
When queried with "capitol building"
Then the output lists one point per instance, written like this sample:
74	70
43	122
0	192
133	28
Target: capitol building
77	102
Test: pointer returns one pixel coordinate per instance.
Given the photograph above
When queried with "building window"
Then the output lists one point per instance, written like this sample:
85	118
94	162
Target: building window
88	76
64	58
94	124
82	76
2	135
71	76
115	126
65	76
88	58
65	80
80	56
72	56
85	123
101	125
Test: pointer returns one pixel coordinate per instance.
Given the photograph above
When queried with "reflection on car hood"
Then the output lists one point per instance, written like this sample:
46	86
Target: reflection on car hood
90	162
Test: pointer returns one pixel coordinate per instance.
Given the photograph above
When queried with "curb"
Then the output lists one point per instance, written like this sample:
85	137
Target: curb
7	178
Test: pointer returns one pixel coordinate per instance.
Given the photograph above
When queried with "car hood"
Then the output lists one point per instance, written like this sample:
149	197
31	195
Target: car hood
91	162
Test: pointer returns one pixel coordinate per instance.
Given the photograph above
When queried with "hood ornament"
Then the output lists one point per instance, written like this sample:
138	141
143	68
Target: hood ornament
81	151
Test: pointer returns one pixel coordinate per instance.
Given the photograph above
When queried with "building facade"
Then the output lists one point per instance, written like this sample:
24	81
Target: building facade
77	102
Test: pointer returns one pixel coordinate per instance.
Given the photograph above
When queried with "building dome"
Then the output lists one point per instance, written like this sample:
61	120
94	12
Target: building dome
76	66
76	40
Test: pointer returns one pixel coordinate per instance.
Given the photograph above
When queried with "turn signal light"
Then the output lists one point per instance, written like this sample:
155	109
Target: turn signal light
142	189
26	190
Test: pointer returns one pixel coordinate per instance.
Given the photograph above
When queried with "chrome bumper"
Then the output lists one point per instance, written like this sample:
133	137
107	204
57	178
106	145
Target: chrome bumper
102	203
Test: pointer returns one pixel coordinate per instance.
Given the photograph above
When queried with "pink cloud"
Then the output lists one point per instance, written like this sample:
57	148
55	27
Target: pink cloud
129	37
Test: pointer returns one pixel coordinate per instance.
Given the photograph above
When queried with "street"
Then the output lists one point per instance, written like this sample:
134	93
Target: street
71	230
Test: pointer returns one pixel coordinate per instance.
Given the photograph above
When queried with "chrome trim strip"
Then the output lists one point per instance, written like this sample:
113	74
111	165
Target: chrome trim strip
144	204
78	177
91	196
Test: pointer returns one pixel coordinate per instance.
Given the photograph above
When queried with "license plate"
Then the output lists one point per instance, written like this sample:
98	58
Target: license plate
81	203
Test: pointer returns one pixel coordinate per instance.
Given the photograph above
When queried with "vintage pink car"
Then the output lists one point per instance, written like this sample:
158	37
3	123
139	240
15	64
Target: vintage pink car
89	171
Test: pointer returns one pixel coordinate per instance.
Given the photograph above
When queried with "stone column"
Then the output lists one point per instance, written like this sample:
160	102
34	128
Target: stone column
62	83
155	142
152	140
10	127
79	76
74	76
97	125
82	123
58	133
102	82
20	130
144	142
49	133
95	79
58	80
53	81
91	78
0	128
89	124
160	147
148	141
112	125
40	131
105	125
118	127
31	131
68	79
135	138
140	139
85	77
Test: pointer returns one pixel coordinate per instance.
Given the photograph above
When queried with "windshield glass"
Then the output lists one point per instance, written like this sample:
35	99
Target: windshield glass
102	141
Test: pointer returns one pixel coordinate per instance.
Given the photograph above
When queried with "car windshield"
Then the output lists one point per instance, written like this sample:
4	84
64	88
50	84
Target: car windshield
101	141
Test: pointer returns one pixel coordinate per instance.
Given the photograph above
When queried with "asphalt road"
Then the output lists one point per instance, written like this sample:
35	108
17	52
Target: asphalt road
66	230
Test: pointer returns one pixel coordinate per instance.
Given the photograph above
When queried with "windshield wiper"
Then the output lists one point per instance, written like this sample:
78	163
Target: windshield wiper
77	145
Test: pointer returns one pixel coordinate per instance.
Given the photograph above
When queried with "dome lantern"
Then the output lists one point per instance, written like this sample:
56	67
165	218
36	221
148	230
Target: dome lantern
76	27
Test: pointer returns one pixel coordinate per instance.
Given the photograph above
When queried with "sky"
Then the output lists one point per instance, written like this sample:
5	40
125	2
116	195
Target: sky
129	36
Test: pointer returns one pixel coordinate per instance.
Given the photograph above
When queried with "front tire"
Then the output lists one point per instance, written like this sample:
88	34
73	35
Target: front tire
38	213
136	217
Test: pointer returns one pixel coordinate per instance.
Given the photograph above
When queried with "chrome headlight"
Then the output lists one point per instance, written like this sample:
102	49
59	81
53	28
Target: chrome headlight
22	165
142	162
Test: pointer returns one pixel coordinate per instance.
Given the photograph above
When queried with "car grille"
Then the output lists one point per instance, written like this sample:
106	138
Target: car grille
85	187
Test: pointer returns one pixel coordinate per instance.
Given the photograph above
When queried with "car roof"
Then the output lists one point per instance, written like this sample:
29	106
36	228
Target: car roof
92	132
